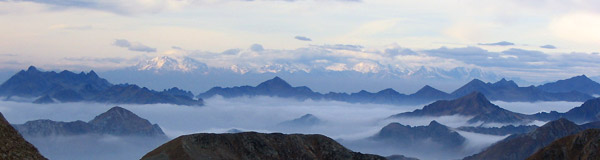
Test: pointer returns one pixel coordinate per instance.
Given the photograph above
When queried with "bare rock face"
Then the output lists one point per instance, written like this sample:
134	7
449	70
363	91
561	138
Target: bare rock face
252	145
13	146
521	146
583	145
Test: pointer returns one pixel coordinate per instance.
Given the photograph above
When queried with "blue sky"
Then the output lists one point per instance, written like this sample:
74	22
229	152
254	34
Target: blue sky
517	38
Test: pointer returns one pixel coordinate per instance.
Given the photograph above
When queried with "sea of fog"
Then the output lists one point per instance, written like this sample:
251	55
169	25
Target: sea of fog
348	123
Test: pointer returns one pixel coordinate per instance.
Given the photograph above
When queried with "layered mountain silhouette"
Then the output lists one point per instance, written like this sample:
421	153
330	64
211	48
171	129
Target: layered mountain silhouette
500	131
252	145
66	86
13	145
589	111
502	90
275	87
405	135
278	87
116	121
521	146
581	84
509	91
583	145
474	105
306	120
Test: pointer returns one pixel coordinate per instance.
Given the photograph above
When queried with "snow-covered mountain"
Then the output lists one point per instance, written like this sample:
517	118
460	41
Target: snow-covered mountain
165	63
184	72
187	65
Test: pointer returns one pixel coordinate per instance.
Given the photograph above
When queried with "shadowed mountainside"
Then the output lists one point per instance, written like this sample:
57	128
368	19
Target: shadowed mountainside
475	105
116	121
405	135
13	145
583	145
66	86
252	145
521	146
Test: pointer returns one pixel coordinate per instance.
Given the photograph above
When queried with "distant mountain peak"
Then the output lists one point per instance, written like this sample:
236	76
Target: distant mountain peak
166	63
120	121
32	69
434	123
579	83
275	82
504	83
389	91
116	113
428	90
92	74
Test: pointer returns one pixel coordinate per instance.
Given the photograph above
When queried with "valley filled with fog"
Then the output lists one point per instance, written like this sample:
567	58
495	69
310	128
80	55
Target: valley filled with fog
349	124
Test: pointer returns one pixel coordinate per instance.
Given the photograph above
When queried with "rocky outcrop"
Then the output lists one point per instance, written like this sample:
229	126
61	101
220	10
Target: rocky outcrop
13	146
583	145
252	145
521	146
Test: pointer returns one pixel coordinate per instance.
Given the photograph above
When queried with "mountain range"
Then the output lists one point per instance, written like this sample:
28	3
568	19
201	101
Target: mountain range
521	146
252	145
278	87
473	105
66	86
186	72
13	145
583	145
509	91
116	121
502	90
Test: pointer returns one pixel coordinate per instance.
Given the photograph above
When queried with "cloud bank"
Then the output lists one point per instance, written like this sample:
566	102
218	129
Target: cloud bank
347	123
133	46
502	43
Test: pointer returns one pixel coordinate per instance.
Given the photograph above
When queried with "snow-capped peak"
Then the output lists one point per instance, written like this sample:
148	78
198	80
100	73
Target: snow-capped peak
165	63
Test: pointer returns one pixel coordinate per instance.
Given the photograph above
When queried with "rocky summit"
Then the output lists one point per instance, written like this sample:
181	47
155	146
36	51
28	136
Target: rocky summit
252	145
521	146
13	146
583	145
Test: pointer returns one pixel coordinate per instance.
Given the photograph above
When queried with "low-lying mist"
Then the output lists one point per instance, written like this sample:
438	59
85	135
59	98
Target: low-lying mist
348	123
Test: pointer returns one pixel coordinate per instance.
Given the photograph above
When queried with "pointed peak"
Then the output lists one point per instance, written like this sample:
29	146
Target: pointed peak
308	115
434	123
276	81
427	88
115	113
388	91
92	73
583	77
31	69
117	109
474	81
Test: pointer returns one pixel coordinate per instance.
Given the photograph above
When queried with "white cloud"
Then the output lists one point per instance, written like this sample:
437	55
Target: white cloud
580	27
